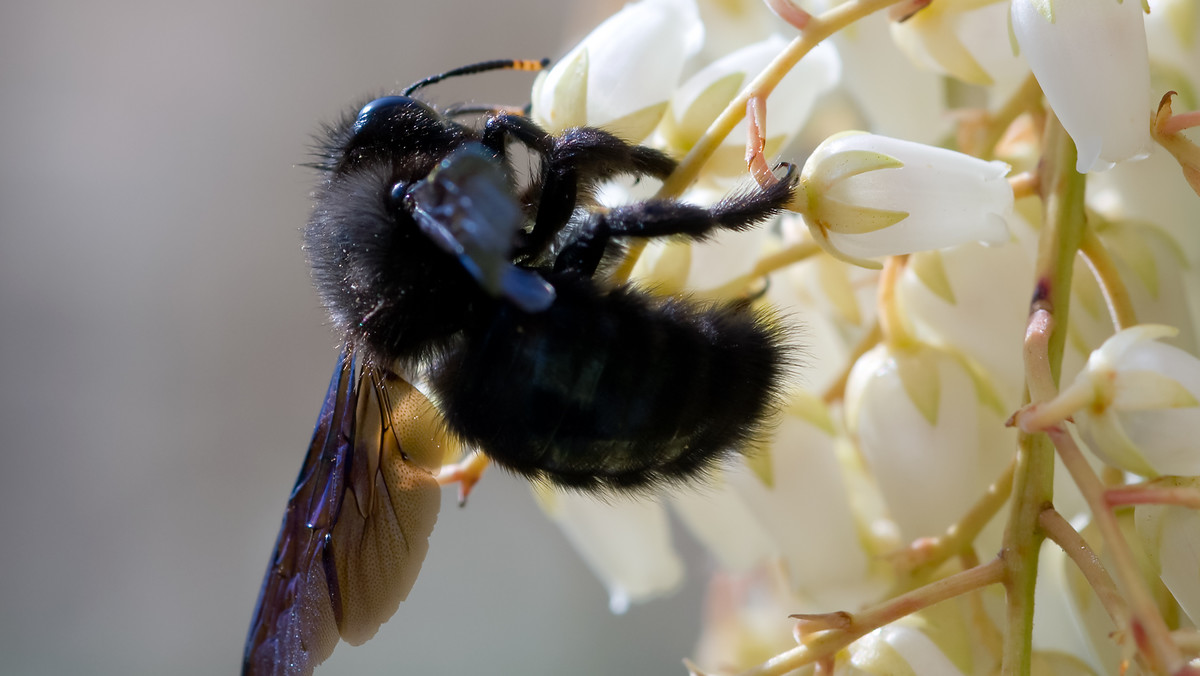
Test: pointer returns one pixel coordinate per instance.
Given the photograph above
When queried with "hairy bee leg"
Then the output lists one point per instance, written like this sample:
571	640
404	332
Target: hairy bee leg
664	218
581	157
466	474
570	162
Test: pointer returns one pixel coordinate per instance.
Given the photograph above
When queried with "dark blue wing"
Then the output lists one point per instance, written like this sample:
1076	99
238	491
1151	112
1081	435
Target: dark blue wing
357	523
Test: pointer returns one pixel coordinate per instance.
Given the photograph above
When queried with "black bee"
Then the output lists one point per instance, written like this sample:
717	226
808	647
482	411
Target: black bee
434	262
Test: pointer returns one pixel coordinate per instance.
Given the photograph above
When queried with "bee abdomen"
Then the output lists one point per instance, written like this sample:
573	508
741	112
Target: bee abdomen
614	390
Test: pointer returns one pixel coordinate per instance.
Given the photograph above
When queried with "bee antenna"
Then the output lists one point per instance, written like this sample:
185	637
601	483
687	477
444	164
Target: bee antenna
498	64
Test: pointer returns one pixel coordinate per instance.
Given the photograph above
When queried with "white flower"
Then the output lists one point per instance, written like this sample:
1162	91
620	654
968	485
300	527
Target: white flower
896	97
971	298
703	96
864	195
622	74
920	418
954	36
1137	403
897	649
1090	58
625	541
798	492
1170	535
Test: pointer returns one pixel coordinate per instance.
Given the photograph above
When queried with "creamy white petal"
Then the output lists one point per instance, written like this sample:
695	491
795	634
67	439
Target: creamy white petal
625	541
935	197
923	450
1093	66
1147	419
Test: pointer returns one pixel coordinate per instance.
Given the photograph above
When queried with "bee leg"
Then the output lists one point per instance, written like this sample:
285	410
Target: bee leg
580	158
665	218
466	474
570	163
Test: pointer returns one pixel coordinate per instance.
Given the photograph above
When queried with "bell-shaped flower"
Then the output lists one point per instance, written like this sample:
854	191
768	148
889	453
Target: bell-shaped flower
701	98
970	297
621	75
1091	60
896	97
1135	404
910	647
864	195
798	489
930	430
741	620
961	38
1170	535
625	541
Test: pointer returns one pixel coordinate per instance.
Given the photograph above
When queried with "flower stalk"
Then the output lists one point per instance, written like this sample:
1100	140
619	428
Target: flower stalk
1062	191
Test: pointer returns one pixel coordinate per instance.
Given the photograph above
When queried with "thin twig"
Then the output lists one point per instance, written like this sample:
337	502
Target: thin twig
1146	623
1104	269
1064	535
828	643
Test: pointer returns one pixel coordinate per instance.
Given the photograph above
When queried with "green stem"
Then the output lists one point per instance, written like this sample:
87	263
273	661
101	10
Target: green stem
1062	190
1116	294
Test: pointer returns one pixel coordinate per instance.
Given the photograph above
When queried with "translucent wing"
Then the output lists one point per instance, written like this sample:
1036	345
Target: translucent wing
357	524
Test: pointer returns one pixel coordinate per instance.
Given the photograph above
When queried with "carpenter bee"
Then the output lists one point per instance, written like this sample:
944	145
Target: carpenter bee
436	262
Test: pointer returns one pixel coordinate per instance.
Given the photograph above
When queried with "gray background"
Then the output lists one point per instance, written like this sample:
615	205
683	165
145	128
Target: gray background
163	356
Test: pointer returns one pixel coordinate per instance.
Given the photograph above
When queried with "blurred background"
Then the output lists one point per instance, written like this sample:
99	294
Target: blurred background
163	355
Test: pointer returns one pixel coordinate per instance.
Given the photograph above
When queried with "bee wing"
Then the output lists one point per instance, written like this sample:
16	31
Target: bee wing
357	524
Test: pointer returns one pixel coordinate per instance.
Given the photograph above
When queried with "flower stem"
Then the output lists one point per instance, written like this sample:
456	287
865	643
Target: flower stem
896	332
1116	294
859	624
1146	623
1073	544
1149	494
1062	190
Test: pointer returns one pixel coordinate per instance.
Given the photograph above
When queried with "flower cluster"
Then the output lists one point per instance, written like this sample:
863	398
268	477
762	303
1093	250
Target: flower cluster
960	158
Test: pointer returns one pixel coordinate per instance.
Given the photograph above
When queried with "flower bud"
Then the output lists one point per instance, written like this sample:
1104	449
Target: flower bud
626	543
923	424
962	38
1090	58
1141	412
703	96
864	195
621	75
1170	535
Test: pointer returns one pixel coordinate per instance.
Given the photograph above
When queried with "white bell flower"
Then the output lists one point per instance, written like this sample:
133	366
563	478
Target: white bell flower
923	423
625	541
966	39
1170	535
864	195
798	490
1135	404
701	98
896	97
1090	58
974	299
621	75
897	649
